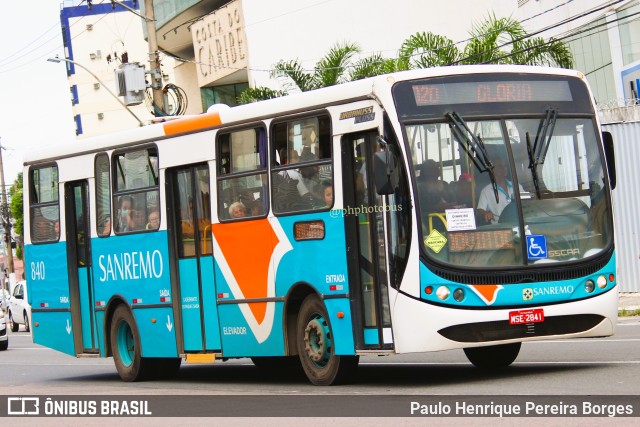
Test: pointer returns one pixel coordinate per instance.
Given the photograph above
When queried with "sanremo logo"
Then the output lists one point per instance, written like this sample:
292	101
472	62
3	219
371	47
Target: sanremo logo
527	294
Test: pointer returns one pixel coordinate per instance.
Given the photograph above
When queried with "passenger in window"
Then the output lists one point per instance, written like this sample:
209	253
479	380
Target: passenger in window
106	230
432	190
125	217
137	220
294	158
41	227
293	174
488	209
307	155
237	210
56	229
154	220
463	191
327	193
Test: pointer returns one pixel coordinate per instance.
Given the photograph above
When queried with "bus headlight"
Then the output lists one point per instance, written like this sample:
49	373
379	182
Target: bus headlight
602	282
589	286
443	292
458	294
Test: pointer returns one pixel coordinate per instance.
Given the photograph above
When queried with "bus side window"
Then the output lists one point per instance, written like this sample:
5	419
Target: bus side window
136	189
103	199
242	174
301	153
44	207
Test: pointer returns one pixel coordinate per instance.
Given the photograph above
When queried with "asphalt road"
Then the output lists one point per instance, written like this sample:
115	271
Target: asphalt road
608	366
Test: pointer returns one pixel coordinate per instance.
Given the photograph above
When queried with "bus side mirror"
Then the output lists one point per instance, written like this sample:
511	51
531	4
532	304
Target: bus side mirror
609	154
385	165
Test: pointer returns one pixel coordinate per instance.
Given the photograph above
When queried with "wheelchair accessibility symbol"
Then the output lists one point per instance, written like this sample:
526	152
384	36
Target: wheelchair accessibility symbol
536	247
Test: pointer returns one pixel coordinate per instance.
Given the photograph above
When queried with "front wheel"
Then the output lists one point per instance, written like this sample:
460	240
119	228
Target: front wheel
493	357
4	344
14	326
125	343
316	347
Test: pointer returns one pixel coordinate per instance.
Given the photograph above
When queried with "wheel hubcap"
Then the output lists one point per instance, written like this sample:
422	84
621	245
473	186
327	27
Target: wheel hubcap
317	340
126	348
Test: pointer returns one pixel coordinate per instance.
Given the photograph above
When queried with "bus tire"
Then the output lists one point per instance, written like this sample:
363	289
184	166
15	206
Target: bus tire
314	341
493	357
125	343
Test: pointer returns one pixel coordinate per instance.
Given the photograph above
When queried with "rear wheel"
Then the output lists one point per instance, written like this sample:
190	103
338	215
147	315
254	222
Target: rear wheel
27	326
493	357
316	347
4	344
14	326
125	343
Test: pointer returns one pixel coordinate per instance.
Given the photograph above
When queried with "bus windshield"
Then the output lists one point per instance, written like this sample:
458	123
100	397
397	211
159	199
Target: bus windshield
517	192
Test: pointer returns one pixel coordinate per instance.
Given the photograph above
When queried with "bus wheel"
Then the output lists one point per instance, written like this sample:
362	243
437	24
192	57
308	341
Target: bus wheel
316	348
125	343
493	357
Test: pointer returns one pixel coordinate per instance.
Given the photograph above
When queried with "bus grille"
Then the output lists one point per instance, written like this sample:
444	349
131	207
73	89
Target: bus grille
502	330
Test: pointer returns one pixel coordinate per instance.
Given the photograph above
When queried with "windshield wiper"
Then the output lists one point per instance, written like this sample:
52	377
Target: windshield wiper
538	152
473	146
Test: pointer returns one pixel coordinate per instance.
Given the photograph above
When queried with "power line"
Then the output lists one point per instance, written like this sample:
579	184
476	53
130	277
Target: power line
48	53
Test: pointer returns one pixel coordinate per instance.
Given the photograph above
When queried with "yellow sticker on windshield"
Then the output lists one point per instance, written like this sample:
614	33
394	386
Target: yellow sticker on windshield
435	241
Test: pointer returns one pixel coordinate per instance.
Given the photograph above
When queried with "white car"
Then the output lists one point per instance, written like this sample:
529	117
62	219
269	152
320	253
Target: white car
19	308
4	321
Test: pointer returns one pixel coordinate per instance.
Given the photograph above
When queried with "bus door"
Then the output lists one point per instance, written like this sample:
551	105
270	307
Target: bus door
190	214
366	244
81	292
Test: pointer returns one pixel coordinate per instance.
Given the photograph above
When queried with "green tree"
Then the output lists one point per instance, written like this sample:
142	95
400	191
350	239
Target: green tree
328	71
261	93
424	50
505	41
373	65
15	210
494	41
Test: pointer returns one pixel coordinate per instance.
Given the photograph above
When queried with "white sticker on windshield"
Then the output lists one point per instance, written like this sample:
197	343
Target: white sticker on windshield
460	219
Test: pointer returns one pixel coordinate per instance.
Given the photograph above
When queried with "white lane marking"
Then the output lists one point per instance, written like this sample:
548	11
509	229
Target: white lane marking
595	362
582	340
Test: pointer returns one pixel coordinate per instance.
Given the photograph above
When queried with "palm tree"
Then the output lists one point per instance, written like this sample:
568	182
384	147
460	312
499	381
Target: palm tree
488	40
329	70
373	65
424	50
494	41
261	93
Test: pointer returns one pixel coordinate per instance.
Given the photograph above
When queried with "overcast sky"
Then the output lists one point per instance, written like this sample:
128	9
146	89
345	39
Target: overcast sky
35	103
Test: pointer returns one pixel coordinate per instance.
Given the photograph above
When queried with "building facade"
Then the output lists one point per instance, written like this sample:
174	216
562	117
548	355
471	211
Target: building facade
222	47
99	39
604	37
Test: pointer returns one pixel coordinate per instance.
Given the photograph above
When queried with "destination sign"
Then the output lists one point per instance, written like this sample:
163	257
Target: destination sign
488	92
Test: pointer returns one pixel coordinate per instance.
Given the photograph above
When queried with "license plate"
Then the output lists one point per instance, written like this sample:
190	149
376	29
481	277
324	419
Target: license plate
521	317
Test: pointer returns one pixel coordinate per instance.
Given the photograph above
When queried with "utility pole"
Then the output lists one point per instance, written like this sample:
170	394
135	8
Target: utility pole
6	218
154	59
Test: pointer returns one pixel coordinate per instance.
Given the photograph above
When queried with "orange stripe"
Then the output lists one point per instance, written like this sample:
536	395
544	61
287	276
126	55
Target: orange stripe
247	247
188	124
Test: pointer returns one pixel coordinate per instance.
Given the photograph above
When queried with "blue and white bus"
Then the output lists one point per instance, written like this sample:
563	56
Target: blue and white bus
445	208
